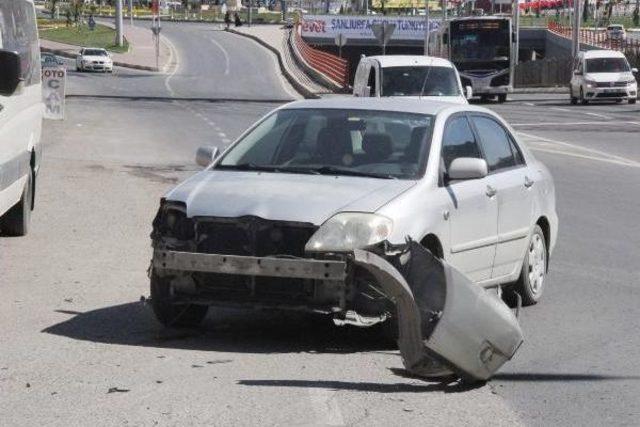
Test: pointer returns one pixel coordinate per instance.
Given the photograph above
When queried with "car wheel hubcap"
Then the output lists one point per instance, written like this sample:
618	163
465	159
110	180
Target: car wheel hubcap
537	264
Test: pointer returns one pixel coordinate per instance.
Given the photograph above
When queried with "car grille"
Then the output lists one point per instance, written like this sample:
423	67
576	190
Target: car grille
612	84
611	95
253	236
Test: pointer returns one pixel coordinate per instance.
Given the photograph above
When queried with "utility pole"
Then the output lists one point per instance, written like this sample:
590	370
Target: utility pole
516	39
426	28
249	19
575	34
119	38
131	12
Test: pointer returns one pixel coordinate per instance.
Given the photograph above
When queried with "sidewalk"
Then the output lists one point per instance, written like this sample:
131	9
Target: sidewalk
141	54
274	38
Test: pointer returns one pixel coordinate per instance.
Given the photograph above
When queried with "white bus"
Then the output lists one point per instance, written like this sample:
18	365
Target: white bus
21	111
481	48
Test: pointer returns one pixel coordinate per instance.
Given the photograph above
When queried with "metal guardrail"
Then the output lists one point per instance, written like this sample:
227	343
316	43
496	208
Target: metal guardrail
332	66
598	38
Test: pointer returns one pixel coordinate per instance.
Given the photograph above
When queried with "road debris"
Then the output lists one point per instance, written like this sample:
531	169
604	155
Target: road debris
118	390
447	324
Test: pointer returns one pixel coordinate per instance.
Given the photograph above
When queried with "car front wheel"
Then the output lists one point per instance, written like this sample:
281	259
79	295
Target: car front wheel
530	285
168	312
583	100
16	221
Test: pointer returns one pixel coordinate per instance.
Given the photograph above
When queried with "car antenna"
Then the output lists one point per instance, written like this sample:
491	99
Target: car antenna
424	83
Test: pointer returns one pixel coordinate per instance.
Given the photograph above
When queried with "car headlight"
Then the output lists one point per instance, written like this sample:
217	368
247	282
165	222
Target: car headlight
590	83
347	231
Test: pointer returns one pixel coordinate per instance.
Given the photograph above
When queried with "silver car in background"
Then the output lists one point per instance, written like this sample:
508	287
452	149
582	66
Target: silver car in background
431	191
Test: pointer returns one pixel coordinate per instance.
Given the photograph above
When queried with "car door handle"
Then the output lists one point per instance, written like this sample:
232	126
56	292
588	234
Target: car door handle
490	191
528	182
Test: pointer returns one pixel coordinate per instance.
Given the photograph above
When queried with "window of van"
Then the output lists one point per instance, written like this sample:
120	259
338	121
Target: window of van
18	33
607	65
410	80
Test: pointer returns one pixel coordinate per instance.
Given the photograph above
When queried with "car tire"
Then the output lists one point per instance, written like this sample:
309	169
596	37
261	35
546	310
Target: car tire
169	313
15	222
632	101
530	284
583	101
502	98
484	98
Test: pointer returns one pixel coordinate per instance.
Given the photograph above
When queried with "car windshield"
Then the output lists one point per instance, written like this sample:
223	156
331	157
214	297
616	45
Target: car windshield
95	52
377	144
607	65
416	81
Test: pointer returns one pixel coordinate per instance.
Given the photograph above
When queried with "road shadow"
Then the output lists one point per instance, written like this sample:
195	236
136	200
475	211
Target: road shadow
224	330
367	387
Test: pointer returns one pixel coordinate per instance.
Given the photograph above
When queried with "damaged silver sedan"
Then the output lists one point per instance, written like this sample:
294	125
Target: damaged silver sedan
398	211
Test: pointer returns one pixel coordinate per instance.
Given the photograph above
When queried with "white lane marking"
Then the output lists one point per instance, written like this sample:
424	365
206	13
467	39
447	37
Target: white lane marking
605	157
566	110
602	116
530	104
585	156
610	123
326	407
226	56
222	135
167	80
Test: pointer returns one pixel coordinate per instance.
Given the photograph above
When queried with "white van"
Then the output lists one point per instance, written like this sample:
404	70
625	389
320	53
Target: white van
602	75
409	76
21	111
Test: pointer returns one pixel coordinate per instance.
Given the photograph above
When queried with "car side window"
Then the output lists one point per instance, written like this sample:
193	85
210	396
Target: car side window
495	142
372	81
458	141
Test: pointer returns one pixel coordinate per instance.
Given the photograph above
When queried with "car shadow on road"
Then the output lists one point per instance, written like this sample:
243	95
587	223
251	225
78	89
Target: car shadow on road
224	330
549	377
367	387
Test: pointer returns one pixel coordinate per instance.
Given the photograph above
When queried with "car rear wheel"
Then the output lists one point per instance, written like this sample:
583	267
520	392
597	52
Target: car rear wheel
15	222
168	312
530	285
632	101
502	98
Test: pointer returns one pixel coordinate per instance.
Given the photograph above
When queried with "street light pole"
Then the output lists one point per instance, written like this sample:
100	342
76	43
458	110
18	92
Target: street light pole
575	34
426	28
119	38
131	12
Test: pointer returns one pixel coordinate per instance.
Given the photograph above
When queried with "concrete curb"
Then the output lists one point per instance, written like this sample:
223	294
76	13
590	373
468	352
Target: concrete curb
541	90
300	88
116	63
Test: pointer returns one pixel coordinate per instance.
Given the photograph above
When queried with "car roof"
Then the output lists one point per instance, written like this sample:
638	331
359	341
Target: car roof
602	54
396	104
404	60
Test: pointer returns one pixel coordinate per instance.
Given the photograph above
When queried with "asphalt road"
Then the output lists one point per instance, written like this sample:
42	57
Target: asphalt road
78	347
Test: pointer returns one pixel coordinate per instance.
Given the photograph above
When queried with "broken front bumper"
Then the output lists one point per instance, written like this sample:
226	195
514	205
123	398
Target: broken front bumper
446	322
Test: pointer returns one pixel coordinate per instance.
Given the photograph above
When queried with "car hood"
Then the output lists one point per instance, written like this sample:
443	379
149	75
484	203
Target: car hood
283	197
609	77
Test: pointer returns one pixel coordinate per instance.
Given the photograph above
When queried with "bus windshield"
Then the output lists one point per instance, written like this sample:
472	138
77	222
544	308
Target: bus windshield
481	40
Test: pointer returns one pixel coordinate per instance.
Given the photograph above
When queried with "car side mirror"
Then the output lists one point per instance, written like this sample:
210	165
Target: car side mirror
577	73
468	92
634	70
10	72
467	168
206	155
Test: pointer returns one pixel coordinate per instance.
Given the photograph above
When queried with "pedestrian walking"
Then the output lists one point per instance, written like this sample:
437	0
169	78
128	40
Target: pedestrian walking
236	17
227	19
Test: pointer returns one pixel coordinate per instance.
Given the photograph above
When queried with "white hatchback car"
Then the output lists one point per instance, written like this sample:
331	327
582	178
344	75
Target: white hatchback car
275	219
94	59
